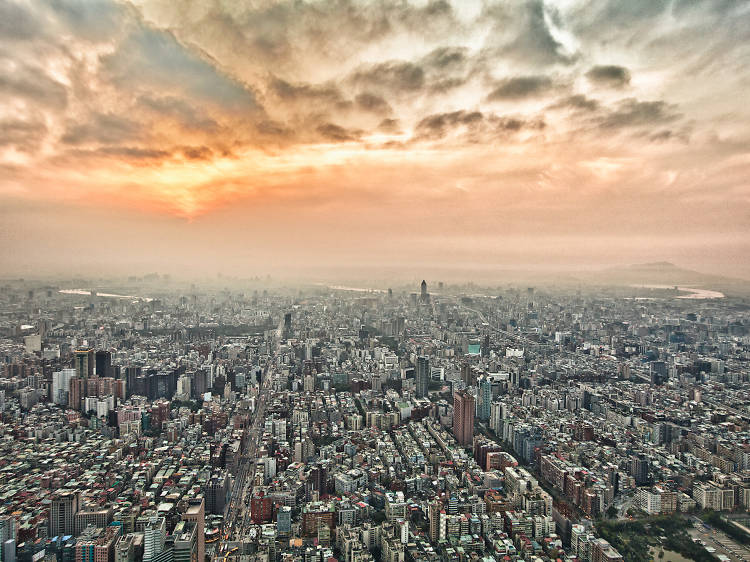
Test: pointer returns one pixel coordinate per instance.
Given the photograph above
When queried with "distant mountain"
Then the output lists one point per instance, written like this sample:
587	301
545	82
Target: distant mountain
665	273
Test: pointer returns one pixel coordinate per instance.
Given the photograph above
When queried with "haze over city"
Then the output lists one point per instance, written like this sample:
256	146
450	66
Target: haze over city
374	281
283	137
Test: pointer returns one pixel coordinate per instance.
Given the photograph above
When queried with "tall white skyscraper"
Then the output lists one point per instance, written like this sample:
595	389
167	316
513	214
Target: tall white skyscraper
61	385
153	538
8	530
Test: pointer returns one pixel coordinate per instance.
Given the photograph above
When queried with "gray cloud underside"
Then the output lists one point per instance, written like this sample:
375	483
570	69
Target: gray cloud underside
25	136
610	75
291	72
521	87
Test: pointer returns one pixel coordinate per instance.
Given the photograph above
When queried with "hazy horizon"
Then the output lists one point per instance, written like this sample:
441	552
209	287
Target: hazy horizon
623	276
198	137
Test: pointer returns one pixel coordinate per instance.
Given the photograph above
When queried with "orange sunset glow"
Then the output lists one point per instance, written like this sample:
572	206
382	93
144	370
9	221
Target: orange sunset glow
253	136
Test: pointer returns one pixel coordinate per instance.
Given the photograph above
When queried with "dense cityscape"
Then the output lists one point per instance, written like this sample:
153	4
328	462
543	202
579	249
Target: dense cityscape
374	280
436	422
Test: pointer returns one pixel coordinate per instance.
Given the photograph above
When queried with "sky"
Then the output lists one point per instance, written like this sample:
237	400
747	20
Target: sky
251	137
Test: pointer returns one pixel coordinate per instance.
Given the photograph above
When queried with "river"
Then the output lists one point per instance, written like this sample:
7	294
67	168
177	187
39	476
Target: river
692	292
87	292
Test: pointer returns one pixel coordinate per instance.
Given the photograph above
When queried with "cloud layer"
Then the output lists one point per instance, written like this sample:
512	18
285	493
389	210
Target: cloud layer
588	118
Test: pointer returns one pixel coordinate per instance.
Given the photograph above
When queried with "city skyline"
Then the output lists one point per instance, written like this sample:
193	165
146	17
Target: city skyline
263	422
201	137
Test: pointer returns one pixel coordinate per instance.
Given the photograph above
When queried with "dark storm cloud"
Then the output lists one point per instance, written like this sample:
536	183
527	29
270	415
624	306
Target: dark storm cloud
372	103
197	152
611	75
133	153
279	33
446	58
512	124
174	70
436	8
445	85
173	73
306	92
447	68
662	136
193	106
336	133
399	76
577	102
145	154
275	31
473	126
440	71
521	87
670	131
26	136
389	125
35	86
103	128
439	124
633	113
274	129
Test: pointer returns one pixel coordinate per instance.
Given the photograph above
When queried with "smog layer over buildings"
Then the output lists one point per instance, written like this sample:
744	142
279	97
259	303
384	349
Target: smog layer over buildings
374	280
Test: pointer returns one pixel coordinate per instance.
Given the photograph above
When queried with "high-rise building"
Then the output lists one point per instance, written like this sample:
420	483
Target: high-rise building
154	537
8	550
434	515
639	468
422	376
62	513
33	343
98	518
602	551
84	363
125	549
76	393
308	384
8	532
318	478
324	533
61	385
261	507
131	376
284	520
217	492
315	513
463	417
200	384
424	296
186	547
97	545
402	527
485	398
103	363
196	513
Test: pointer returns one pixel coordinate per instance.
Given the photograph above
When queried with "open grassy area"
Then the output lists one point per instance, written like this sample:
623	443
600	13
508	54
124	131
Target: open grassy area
634	539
